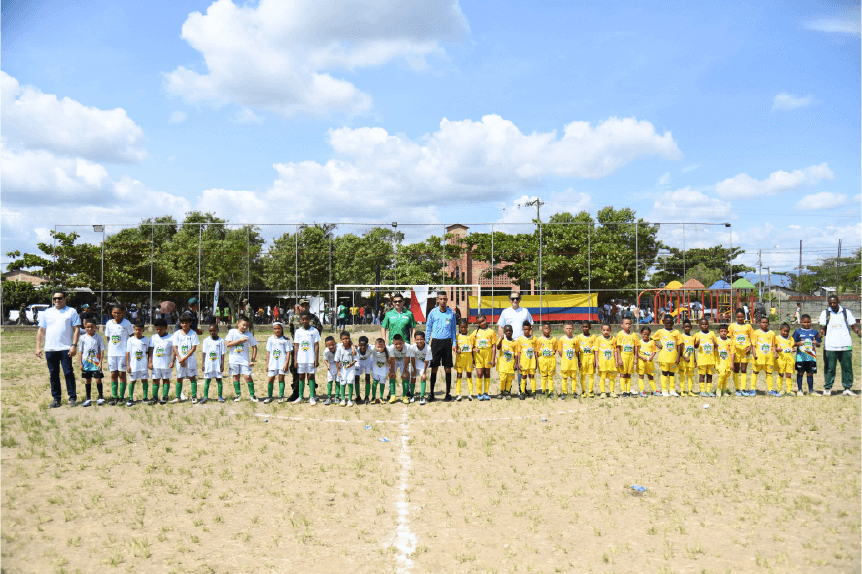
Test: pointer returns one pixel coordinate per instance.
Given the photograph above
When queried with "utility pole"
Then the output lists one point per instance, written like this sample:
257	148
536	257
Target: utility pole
539	203
799	271
837	268
760	273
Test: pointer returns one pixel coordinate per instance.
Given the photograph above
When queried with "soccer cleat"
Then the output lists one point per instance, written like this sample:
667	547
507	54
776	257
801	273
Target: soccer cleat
522	396
614	395
508	396
221	399
752	393
458	398
297	401
101	401
237	398
341	403
194	400
405	400
349	403
412	399
665	393
312	401
327	402
562	397
203	401
692	394
392	399
176	400
280	400
673	393
447	399
643	394
164	401
849	393
739	393
73	403
130	403
112	402
253	399
87	403
422	401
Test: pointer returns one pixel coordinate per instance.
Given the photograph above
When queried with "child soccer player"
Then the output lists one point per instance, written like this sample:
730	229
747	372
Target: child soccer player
647	350
627	348
484	356
161	360
605	363
741	333
364	365
706	345
726	347
586	353
507	364
331	371
547	351
687	367
380	370
137	358
464	360
806	340
764	356
398	358
306	353
278	350
239	363
567	347
214	351
785	361
668	342
91	349
527	348
185	344
117	332
345	359
421	355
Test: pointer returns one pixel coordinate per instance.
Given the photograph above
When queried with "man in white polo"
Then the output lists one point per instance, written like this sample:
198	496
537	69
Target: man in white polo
58	328
514	316
835	325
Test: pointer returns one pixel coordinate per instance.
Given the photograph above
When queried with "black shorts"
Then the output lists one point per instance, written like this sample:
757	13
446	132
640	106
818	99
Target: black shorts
90	374
809	367
441	353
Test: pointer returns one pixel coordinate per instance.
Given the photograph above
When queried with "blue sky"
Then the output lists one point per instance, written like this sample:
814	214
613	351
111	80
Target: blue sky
434	111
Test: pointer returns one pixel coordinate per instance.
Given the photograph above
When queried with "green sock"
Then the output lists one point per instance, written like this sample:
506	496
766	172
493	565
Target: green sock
341	391
367	389
179	387
280	388
374	390
219	385
350	392
155	390
301	387
412	388
236	388
146	388
392	387
131	390
207	388
251	388
114	389
269	388
166	388
122	390
422	388
194	384
405	388
311	386
329	388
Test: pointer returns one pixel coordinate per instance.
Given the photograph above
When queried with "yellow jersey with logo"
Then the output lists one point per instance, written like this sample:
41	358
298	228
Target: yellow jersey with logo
586	346
764	343
706	348
725	348
741	334
506	360
627	344
465	344
547	347
484	340
568	349
605	349
686	343
668	343
527	348
786	353
645	349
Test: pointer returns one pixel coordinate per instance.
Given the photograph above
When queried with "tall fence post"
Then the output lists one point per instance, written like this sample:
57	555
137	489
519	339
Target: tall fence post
295	264
200	238
590	269
541	284
637	269
152	249
492	273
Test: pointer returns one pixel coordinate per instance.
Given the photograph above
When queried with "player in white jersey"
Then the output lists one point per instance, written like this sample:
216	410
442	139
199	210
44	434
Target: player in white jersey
345	358
331	371
379	369
214	351
399	360
278	349
161	360
306	352
240	363
91	350
186	342
421	355
364	366
137	359
117	332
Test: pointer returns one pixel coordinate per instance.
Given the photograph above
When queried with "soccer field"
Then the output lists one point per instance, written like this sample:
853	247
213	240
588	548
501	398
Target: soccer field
542	485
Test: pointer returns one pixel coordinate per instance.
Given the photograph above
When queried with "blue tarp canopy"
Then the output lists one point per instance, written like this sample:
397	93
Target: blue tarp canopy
720	284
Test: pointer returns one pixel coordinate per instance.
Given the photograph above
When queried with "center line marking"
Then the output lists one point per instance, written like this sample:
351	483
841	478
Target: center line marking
405	539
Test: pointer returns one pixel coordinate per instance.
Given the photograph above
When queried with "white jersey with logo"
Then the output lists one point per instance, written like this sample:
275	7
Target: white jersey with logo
163	348
183	343
137	349
91	349
345	357
364	362
421	356
239	354
117	334
329	357
279	348
213	351
303	341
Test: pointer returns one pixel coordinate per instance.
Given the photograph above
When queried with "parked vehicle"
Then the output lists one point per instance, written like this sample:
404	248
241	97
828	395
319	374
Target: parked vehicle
37	307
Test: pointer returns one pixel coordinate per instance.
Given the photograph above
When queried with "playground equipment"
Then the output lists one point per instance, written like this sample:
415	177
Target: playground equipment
718	301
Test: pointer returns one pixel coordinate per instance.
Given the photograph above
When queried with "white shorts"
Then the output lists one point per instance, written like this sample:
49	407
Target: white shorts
159	374
275	373
365	367
379	374
332	373
240	369
213	375
348	376
190	371
305	368
419	368
400	366
139	375
117	363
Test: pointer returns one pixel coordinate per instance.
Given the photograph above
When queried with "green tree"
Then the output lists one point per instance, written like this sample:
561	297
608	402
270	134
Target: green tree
69	264
715	259
13	294
848	271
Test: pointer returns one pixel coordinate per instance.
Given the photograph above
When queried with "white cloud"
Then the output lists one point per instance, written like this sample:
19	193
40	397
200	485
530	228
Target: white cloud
518	217
246	116
790	102
277	55
664	179
858	198
842	21
32	177
689	168
178	117
67	127
821	200
743	186
688	204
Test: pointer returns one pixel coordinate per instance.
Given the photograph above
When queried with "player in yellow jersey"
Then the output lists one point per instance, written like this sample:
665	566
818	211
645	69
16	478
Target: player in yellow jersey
463	359
484	357
707	352
668	342
627	348
644	364
785	364
567	347
765	354
586	356
508	349
527	348
547	351
687	367
606	364
741	333
725	361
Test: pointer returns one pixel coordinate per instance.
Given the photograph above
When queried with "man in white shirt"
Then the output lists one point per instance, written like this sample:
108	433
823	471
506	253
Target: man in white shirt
835	325
58	328
514	316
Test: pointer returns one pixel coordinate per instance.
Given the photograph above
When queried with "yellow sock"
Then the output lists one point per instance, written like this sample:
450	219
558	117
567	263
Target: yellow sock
611	386
487	386
736	381
702	386
458	385
752	383
652	384
789	384
690	382
663	382
641	384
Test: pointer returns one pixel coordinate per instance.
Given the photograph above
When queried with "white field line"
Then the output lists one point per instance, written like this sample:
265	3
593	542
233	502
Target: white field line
405	539
429	421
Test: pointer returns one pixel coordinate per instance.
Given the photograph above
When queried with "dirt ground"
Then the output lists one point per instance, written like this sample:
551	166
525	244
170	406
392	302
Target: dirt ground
542	485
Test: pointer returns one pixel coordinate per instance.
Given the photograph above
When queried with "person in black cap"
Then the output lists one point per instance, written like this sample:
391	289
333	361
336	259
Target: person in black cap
193	311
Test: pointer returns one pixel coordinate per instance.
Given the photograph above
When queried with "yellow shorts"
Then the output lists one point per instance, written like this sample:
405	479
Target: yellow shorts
548	366
646	368
628	364
588	368
482	359
612	375
464	362
528	371
705	369
668	367
569	373
687	367
740	355
506	378
786	363
758	367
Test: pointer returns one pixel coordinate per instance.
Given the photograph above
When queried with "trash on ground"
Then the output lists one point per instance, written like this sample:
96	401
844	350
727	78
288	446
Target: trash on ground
383	439
706	406
638	488
367	427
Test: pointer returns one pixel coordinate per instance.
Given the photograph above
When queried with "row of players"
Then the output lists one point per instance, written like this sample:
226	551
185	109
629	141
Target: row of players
581	358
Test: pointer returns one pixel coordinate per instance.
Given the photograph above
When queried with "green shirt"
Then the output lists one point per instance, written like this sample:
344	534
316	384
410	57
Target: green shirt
399	324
